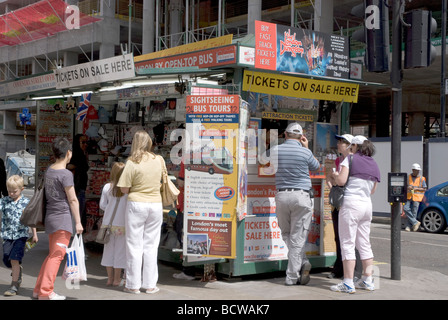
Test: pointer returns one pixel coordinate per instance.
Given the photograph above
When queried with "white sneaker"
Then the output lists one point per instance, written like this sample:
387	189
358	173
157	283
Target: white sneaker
342	287
416	226
182	276
53	296
361	284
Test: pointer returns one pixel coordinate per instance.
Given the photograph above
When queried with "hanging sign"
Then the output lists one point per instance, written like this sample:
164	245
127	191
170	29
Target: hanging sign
111	69
290	86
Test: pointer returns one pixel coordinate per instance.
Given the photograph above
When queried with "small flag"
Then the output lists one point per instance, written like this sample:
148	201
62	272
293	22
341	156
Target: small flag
83	106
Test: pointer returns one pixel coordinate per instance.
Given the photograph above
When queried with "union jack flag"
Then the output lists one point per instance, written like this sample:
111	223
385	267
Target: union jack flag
84	104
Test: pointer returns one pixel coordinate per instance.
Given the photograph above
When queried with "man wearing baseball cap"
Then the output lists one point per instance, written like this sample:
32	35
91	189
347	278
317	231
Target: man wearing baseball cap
416	189
293	161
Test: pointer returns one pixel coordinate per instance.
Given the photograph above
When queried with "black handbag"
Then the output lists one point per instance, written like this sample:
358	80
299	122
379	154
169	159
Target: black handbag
336	195
34	213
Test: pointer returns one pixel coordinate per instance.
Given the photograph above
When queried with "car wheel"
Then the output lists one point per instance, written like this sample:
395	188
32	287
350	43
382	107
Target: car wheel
433	221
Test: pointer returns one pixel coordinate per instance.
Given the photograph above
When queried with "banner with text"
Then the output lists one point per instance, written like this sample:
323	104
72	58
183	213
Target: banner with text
111	69
288	49
276	84
202	59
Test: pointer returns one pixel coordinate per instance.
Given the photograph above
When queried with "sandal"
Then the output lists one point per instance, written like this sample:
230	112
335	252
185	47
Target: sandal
153	290
133	291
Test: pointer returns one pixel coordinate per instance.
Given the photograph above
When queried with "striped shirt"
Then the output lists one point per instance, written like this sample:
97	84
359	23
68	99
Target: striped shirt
293	165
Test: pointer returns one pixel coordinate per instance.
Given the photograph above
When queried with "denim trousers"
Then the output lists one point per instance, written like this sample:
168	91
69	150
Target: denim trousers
411	210
294	210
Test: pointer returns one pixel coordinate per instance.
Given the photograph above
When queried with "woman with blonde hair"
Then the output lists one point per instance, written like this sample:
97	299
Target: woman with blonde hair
144	212
113	202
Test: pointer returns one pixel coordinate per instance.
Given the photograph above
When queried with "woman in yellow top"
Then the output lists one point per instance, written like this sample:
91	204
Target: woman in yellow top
141	181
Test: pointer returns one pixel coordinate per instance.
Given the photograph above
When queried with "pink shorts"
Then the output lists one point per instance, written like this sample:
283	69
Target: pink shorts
355	217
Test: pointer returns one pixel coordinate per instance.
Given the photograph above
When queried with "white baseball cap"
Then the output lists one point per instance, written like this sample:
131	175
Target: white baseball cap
358	140
346	136
416	166
294	128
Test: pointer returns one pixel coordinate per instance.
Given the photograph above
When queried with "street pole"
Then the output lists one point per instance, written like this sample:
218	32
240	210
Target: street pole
396	79
443	84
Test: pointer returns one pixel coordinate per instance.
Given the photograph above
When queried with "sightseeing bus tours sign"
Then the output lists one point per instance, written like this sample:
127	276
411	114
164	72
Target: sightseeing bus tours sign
211	175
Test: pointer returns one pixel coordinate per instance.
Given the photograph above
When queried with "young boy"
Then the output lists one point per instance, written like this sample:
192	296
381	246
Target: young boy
14	233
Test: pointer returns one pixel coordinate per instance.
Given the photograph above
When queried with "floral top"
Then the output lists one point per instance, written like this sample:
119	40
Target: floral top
12	210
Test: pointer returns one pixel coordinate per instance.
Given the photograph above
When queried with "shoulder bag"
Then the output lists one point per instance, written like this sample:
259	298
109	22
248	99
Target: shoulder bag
103	235
336	195
168	190
34	213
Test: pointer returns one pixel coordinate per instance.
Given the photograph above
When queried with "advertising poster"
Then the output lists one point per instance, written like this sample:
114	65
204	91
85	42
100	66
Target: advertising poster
211	175
262	238
283	48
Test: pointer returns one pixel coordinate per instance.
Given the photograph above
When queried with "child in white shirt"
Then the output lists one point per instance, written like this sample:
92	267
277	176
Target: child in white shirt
114	253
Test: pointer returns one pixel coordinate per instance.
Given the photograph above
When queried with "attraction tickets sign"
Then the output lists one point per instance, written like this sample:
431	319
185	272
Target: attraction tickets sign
288	49
212	187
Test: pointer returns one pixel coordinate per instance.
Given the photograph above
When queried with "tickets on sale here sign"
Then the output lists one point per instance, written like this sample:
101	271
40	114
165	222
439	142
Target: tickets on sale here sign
290	86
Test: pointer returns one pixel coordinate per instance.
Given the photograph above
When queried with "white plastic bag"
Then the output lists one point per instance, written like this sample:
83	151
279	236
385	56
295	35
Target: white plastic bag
75	268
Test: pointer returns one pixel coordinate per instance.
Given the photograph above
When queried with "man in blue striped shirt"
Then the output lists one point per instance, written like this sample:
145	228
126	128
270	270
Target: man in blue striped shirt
293	161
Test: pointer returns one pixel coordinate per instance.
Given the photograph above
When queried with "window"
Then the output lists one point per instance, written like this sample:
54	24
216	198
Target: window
443	192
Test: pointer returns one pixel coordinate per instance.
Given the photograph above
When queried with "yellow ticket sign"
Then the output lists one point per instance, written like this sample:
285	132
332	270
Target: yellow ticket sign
287	116
289	86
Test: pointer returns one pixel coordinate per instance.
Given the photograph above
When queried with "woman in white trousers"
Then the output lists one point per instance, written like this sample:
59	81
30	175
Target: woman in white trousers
144	221
141	180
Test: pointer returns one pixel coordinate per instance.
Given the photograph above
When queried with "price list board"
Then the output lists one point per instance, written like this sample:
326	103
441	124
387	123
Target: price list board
51	123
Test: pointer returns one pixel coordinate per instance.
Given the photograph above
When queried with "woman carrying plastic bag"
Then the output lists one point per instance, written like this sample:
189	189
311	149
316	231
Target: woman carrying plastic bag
75	268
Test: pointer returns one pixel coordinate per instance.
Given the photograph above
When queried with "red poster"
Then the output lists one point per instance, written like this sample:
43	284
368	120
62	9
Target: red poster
265	45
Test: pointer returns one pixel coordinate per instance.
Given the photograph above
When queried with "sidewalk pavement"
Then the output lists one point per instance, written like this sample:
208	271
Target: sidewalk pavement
415	284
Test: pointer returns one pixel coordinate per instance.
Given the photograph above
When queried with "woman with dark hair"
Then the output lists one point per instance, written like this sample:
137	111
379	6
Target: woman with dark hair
79	165
61	201
355	214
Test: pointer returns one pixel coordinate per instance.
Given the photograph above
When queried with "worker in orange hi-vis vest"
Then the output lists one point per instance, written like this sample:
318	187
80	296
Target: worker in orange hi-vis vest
416	189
